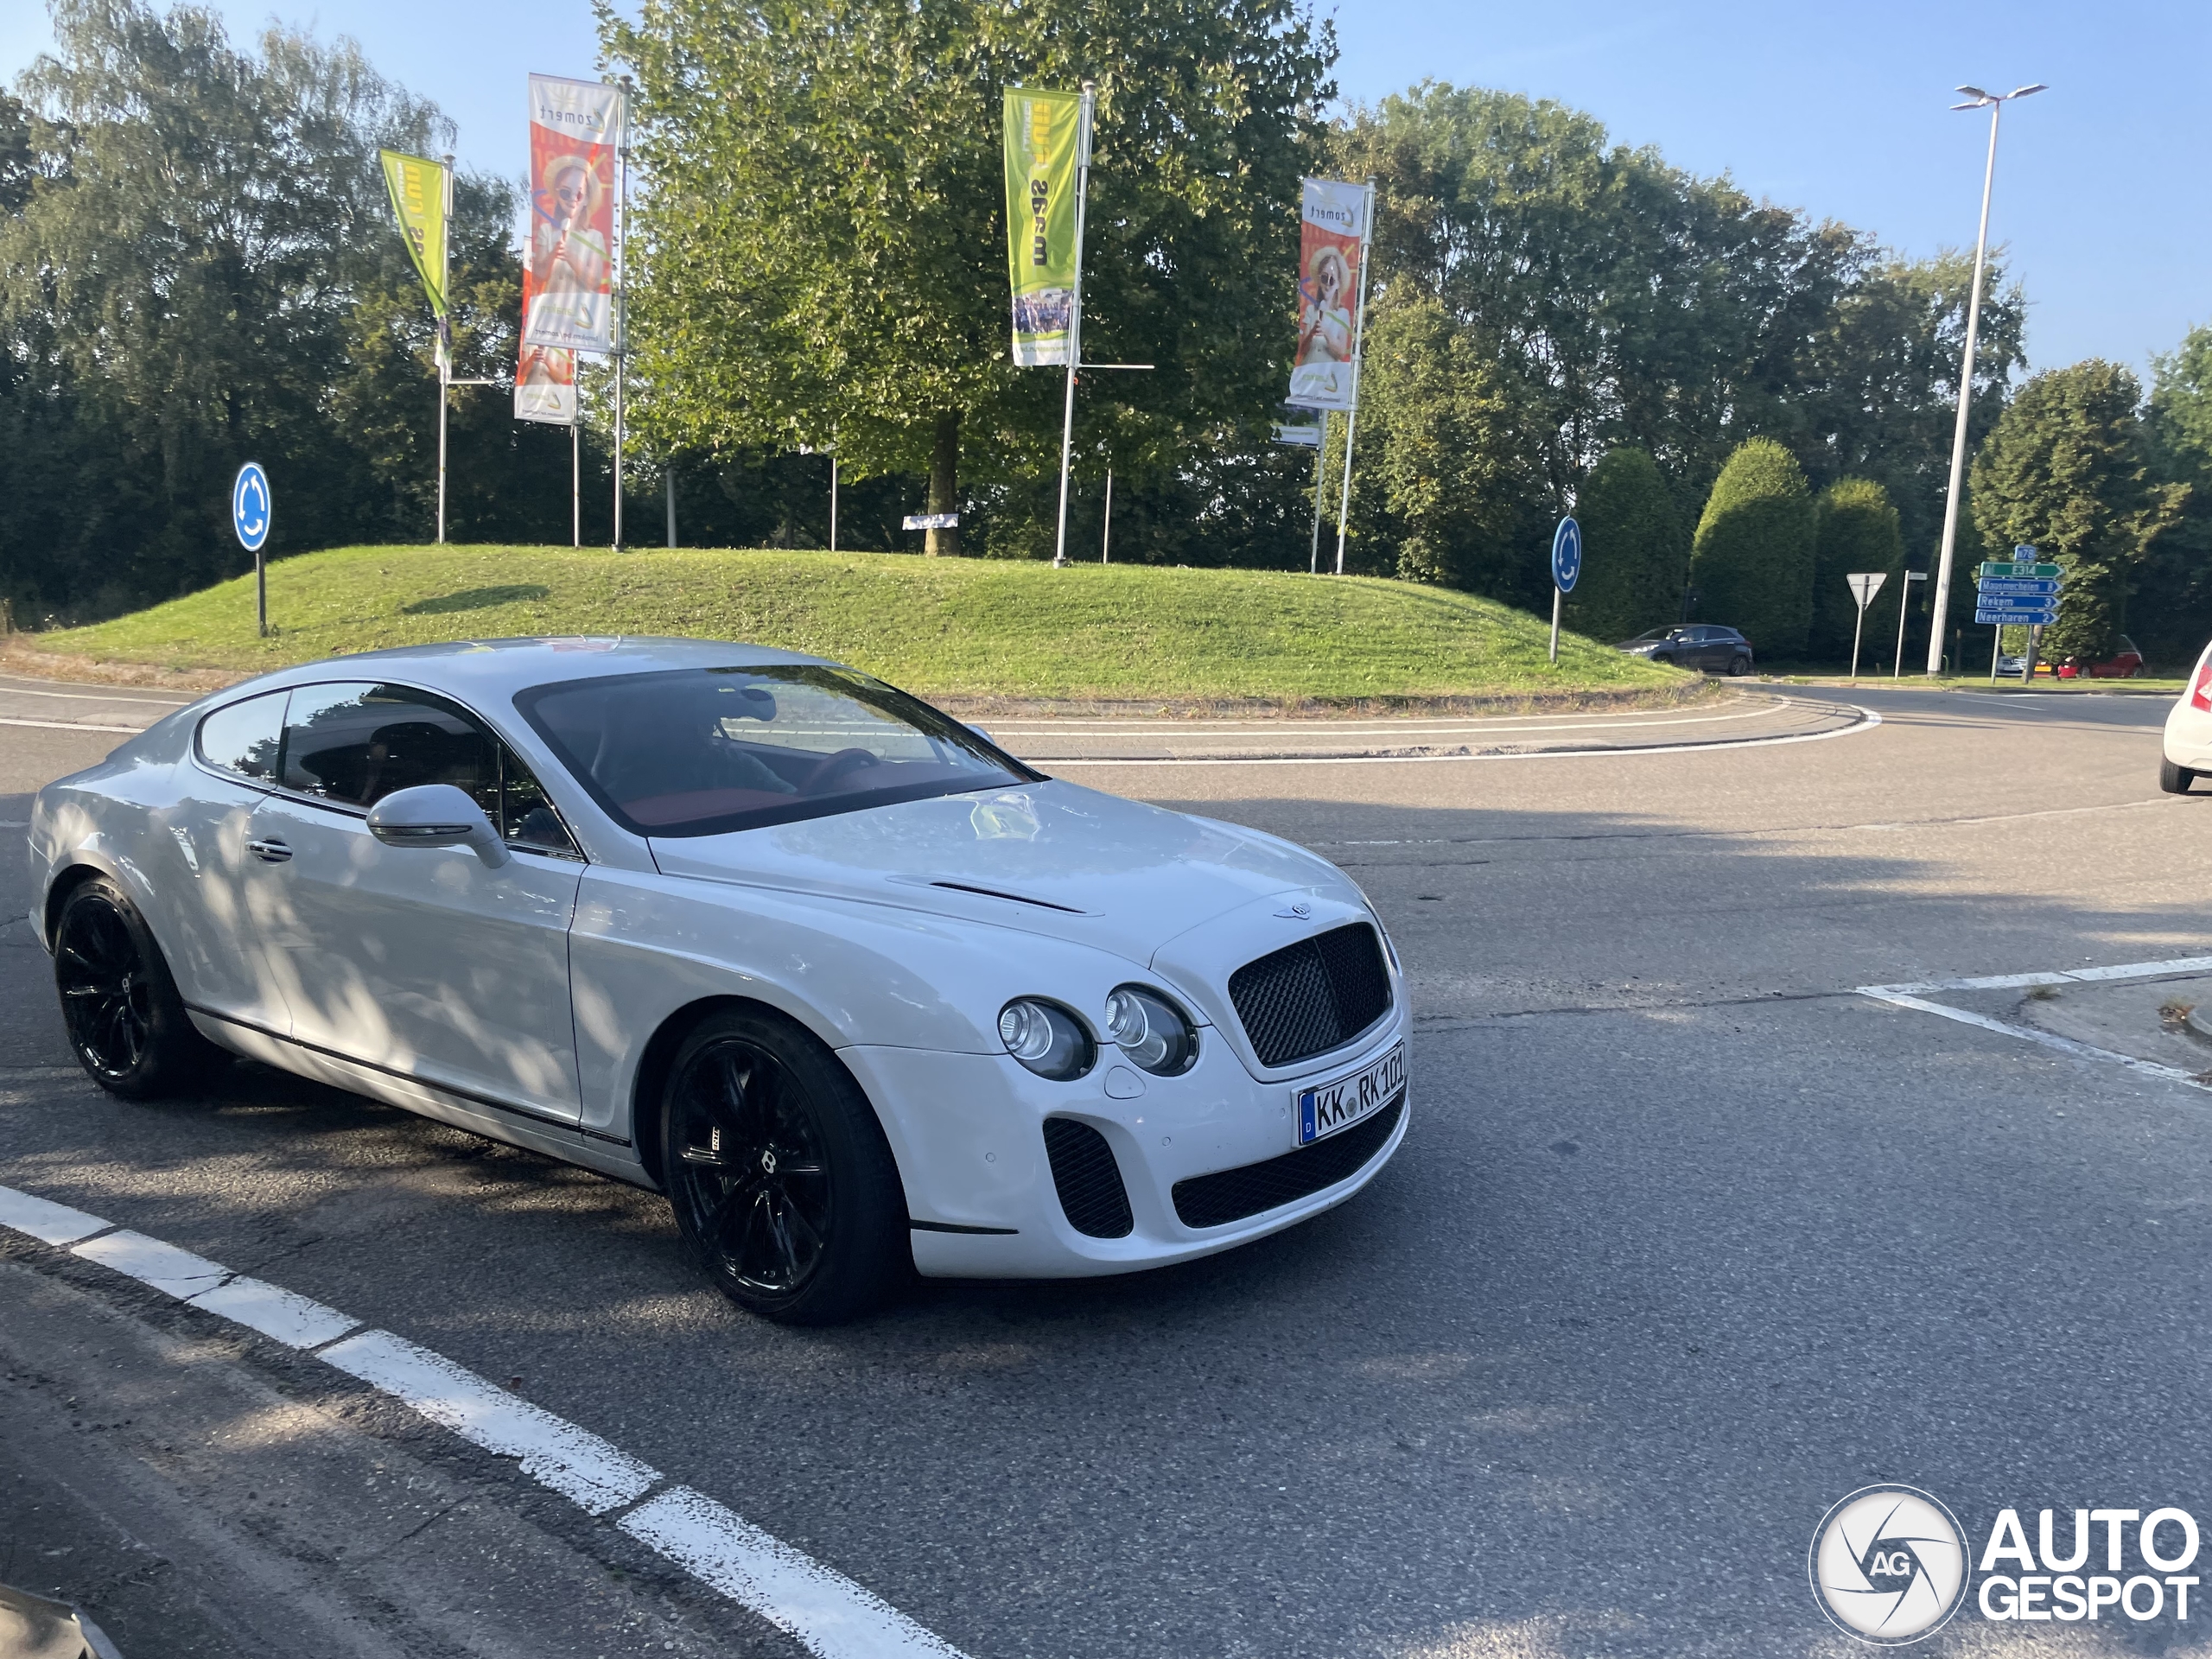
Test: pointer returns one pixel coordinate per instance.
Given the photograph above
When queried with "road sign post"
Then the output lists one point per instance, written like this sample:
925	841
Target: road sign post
1864	585
1904	608
1567	570
2020	592
252	511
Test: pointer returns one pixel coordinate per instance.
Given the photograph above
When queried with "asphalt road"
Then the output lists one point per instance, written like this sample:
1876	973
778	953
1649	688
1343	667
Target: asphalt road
1686	1242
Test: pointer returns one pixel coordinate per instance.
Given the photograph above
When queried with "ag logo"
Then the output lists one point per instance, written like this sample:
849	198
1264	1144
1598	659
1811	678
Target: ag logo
1889	1564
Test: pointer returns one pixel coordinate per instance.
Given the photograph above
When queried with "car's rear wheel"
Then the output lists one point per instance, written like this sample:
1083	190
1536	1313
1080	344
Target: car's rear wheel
1739	666
784	1187
125	1021
2174	779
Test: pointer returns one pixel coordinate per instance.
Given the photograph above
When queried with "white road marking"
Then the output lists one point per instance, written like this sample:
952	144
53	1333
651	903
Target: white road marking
1866	721
46	1221
281	1315
829	1614
1912	996
832	1615
164	1266
8	691
69	726
1411	725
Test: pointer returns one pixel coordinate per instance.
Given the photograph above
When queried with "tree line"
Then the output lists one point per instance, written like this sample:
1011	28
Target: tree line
1740	402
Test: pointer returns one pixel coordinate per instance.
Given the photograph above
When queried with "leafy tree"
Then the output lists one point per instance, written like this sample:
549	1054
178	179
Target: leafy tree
2171	609
1635	559
1856	531
2068	470
821	254
1752	563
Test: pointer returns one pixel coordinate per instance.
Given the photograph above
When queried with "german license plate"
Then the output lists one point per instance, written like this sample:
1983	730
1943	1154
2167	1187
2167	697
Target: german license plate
1333	1106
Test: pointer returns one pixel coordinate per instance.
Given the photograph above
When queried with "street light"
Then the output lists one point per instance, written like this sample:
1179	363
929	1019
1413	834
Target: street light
1940	607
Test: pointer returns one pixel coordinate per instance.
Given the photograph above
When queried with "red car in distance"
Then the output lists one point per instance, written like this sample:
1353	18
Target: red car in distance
2123	665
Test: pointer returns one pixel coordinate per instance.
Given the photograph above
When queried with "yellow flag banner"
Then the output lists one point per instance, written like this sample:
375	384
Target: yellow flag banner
1043	131
417	188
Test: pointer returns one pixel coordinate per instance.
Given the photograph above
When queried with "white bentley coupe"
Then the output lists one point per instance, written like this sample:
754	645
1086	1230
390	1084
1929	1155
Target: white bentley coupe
860	992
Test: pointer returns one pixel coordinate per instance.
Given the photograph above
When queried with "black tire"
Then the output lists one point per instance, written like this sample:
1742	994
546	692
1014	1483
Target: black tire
126	1023
1738	666
783	1185
2174	779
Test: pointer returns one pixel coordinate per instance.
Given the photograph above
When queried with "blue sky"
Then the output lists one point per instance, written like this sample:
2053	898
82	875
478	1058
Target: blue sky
2103	191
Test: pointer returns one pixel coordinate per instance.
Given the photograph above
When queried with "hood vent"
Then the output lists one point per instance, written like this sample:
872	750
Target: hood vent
1017	898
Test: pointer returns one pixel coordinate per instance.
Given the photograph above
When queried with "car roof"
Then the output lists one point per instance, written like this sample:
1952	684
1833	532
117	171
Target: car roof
487	668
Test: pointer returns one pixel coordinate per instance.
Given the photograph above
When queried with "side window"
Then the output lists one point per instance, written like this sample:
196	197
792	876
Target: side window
244	738
355	744
526	817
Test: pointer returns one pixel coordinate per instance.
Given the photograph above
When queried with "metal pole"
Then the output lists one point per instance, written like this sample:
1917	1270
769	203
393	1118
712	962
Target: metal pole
576	478
1857	628
1557	595
1358	335
668	485
1320	455
1904	608
1941	605
621	251
833	501
1996	650
261	591
1106	541
445	337
1075	318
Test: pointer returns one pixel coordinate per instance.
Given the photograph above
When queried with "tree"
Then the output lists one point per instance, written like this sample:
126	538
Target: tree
1635	560
2172	607
2067	470
821	252
1751	563
1856	531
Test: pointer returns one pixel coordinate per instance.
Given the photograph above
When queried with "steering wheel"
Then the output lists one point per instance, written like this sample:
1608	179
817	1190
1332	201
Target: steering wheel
832	767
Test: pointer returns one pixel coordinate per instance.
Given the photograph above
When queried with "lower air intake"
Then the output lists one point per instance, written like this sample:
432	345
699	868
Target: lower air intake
1232	1194
1088	1178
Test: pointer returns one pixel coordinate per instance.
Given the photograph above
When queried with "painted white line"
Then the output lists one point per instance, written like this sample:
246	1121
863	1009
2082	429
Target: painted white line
46	1221
180	1273
1868	720
2049	977
70	726
1417	725
575	1462
281	1315
7	691
828	1613
2047	1039
834	1617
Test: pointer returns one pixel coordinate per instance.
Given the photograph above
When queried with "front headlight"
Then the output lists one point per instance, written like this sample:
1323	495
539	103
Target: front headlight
1046	1039
1152	1031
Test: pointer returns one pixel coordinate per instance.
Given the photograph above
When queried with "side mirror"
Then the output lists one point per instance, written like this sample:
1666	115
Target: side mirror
437	815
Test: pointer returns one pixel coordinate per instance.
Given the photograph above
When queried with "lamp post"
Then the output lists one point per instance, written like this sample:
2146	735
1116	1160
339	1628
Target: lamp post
1940	606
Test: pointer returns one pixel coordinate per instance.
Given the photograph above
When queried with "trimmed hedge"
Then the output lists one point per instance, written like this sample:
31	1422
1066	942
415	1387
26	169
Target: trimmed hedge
1636	558
1752	561
1856	530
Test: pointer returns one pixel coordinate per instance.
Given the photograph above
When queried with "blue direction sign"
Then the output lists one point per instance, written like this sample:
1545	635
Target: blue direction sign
2008	587
1567	554
2015	619
251	508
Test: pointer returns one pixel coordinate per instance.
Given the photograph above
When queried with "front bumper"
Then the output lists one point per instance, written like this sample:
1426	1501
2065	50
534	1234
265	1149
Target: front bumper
968	1133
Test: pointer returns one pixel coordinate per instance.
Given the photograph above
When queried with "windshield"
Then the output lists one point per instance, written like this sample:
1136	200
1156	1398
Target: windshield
701	751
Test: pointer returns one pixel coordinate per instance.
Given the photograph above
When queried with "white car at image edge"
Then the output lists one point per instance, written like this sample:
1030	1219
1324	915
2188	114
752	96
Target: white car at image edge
860	992
2186	752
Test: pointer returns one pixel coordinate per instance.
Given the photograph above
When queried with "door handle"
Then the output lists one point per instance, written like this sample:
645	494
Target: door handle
271	848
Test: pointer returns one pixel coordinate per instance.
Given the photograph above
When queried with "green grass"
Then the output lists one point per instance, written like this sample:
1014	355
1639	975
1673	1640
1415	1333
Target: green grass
950	627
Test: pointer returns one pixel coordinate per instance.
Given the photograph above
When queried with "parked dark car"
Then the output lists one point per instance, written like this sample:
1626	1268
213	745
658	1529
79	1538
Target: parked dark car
1694	645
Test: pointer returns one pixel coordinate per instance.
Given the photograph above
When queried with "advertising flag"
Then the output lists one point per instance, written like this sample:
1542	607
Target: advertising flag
417	188
575	127
1042	131
545	386
1332	245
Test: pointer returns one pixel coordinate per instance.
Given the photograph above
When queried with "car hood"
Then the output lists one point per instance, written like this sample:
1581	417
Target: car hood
1050	857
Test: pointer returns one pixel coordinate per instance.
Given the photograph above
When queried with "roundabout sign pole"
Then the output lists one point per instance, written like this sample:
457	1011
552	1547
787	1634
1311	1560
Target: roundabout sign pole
1567	570
251	513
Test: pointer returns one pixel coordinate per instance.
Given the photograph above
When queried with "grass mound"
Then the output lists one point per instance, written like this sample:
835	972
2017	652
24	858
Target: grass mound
962	628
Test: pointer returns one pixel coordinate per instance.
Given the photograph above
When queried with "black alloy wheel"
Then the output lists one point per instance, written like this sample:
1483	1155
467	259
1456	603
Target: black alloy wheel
783	1185
1739	666
126	1022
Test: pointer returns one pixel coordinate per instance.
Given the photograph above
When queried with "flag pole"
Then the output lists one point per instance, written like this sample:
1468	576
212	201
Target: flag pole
577	470
445	331
621	251
1075	318
1358	362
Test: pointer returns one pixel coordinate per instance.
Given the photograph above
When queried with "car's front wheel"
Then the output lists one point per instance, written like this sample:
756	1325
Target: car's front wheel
784	1187
125	1021
1739	666
2174	779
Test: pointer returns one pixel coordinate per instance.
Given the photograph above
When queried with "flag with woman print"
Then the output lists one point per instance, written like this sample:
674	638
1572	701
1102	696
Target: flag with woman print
576	128
1332	247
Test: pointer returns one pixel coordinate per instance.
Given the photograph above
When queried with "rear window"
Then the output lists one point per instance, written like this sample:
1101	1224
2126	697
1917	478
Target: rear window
701	752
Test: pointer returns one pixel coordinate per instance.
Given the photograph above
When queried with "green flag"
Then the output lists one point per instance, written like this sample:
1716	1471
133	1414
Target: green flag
1042	132
417	188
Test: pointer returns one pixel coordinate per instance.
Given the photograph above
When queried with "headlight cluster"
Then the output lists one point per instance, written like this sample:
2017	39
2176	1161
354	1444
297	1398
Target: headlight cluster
1150	1030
